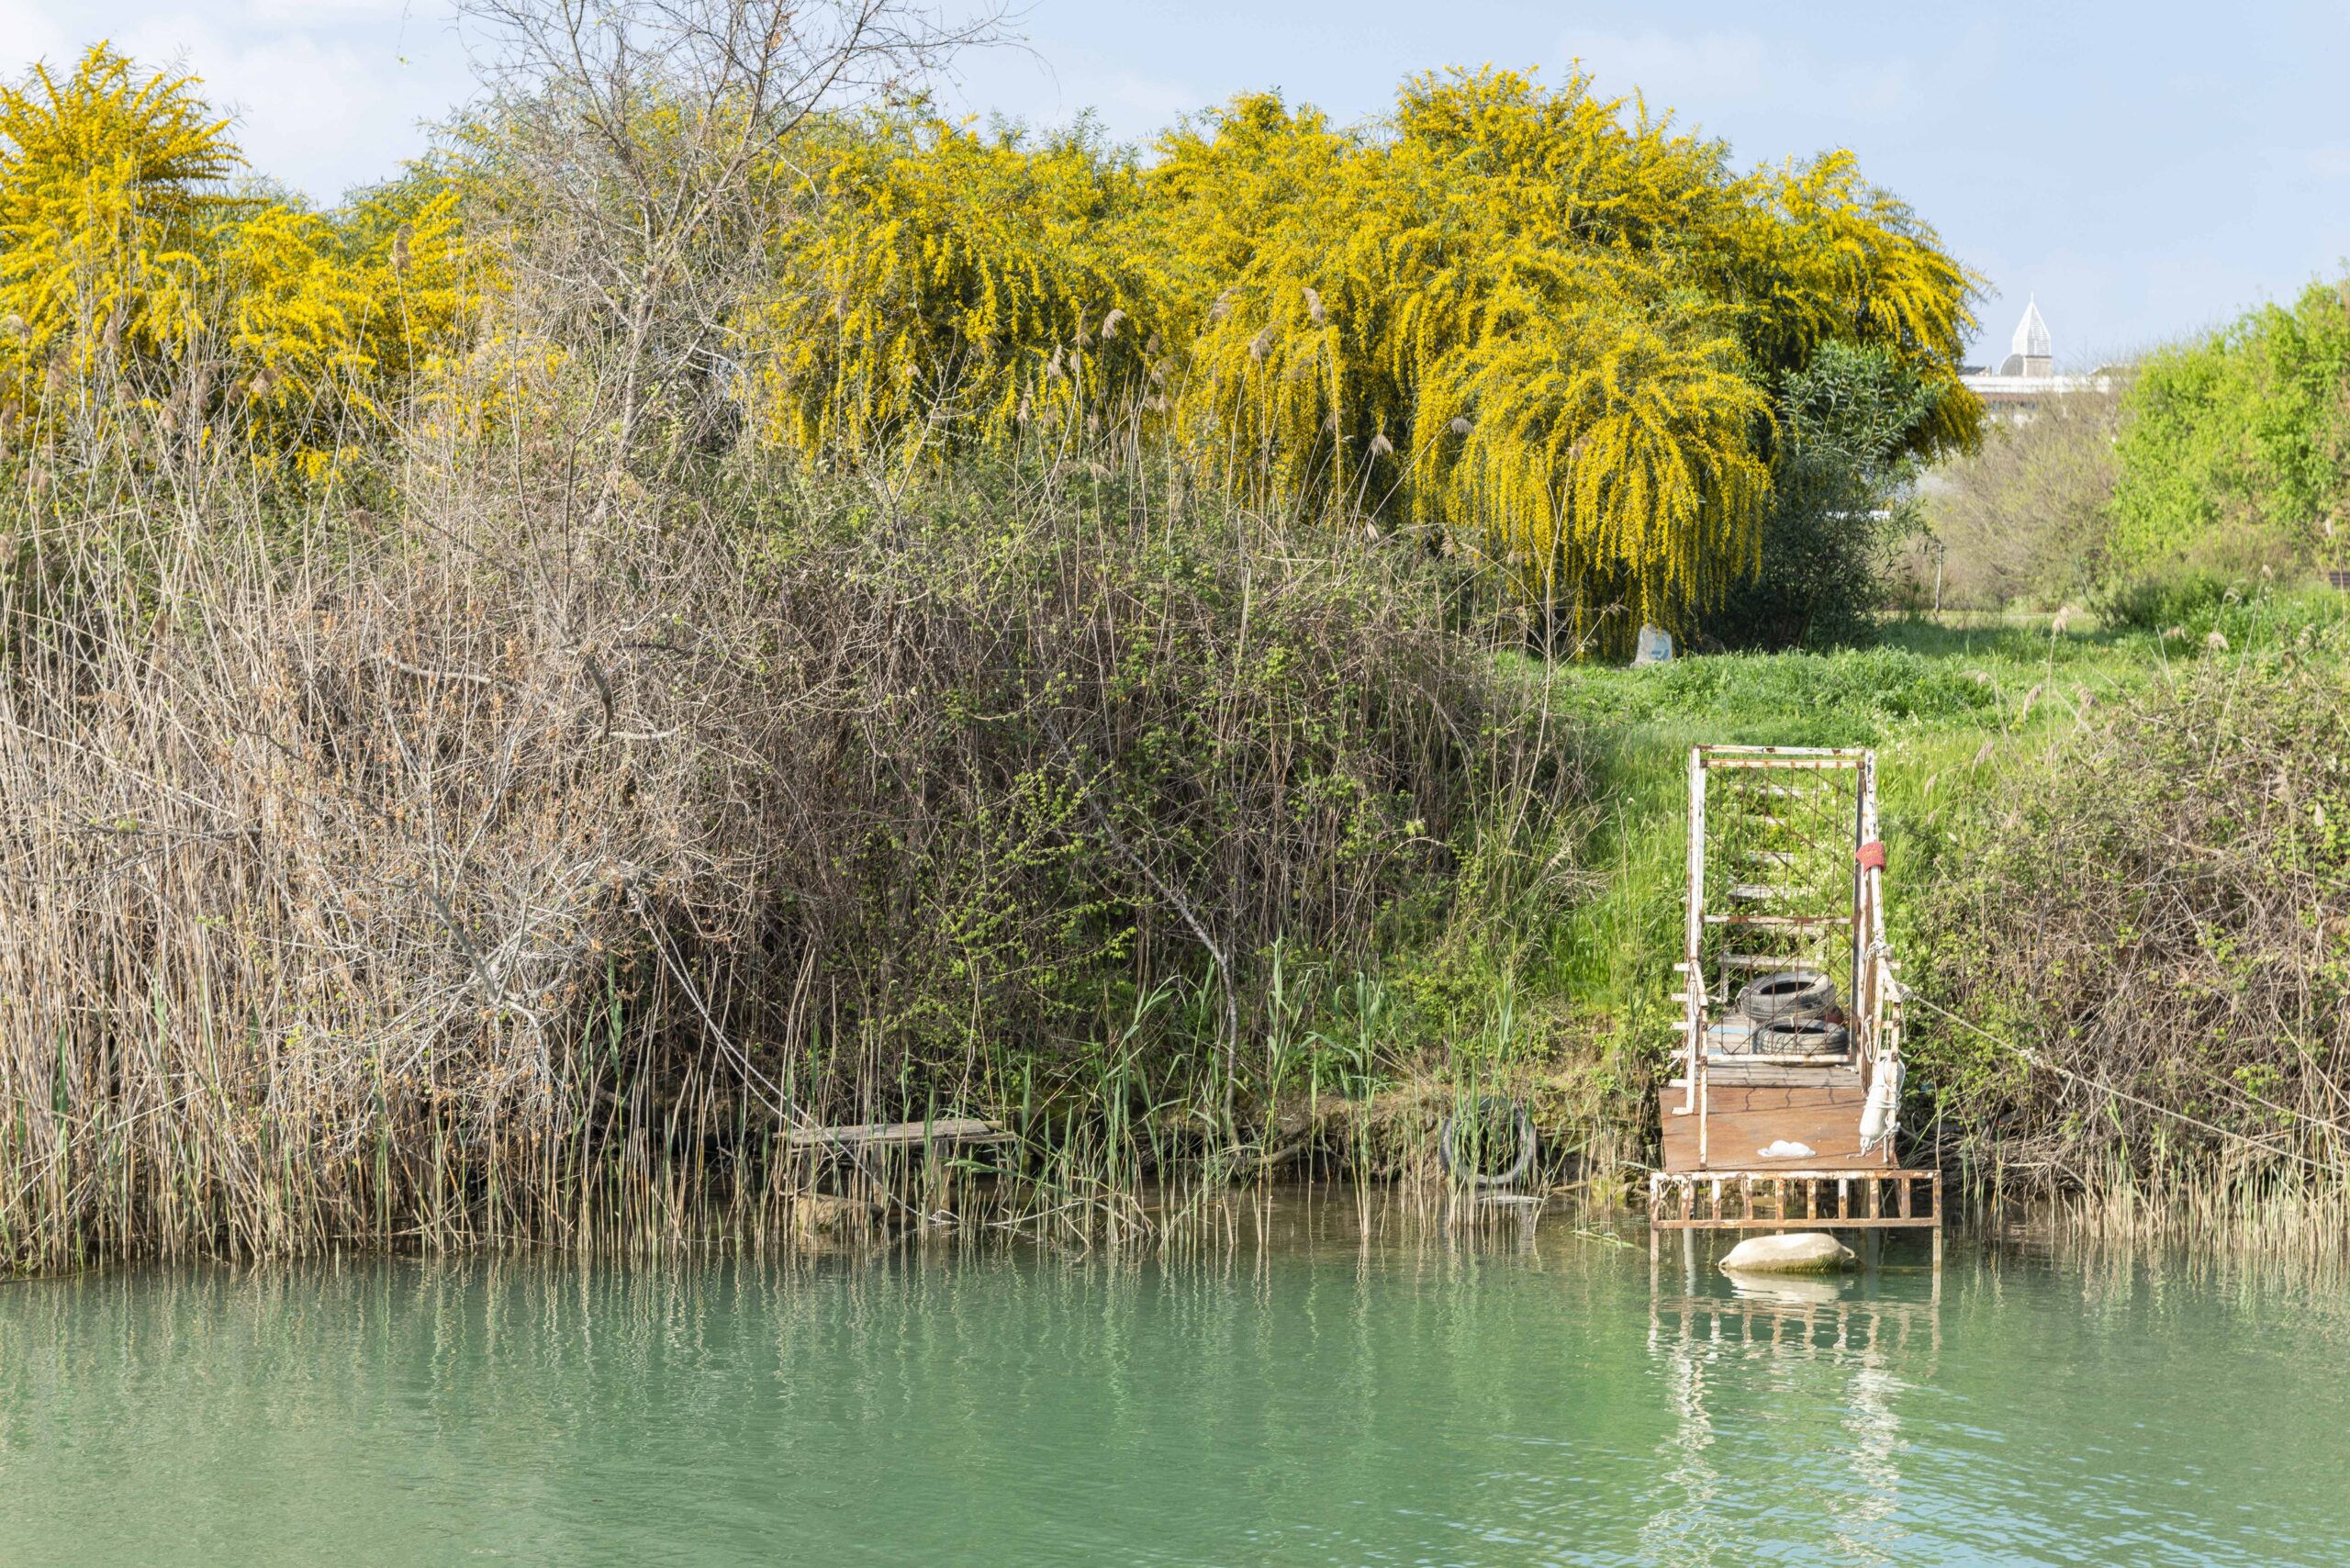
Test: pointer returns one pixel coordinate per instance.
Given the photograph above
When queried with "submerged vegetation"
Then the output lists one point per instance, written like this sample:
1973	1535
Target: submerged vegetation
720	606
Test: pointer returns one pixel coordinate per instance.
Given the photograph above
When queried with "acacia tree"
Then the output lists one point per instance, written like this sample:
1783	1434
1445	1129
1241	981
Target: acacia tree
633	154
1544	327
137	283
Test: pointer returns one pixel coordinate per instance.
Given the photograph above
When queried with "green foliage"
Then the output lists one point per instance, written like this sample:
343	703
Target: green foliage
2159	601
1533	321
2235	451
1839	503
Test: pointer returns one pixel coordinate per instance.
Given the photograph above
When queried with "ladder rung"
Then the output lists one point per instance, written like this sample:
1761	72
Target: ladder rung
1813	762
1781	921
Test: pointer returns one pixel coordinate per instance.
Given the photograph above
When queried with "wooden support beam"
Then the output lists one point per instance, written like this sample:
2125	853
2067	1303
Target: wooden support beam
883	1134
1782	921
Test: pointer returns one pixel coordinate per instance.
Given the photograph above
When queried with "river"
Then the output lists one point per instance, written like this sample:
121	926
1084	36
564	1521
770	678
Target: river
1309	1382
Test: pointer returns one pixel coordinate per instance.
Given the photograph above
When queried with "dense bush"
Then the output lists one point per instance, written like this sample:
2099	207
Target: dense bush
1839	503
2162	921
2159	601
477	876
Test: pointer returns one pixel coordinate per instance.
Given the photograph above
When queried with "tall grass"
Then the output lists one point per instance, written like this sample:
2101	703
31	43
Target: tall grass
520	859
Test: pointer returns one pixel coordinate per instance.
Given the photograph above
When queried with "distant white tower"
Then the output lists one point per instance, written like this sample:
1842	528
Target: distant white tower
2032	352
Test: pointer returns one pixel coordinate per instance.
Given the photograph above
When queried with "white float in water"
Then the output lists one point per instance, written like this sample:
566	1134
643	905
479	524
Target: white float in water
1800	1252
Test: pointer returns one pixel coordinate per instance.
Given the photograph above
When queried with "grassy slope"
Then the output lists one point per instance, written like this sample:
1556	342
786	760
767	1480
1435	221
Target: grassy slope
1962	716
1959	715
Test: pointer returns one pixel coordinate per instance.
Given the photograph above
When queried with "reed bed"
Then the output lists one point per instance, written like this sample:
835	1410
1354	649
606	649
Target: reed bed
469	855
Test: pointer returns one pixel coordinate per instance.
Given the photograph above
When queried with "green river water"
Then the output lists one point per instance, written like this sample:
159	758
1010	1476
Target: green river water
1314	1384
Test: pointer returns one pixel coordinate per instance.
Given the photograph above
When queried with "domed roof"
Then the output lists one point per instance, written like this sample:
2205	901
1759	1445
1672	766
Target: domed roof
2032	338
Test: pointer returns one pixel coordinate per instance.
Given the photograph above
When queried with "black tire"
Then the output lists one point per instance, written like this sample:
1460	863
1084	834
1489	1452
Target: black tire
1802	1038
1448	1156
1787	994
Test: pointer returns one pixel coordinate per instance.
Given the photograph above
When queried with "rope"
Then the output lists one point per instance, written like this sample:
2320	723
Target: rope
2036	1060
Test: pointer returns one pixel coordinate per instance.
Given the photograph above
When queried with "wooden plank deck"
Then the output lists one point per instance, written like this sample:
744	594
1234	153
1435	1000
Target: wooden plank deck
1747	1117
1749	1072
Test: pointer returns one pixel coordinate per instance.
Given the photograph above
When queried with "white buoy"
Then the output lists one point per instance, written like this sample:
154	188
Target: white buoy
1799	1252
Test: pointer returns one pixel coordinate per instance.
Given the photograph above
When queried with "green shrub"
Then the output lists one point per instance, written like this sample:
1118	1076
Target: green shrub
2157	603
2234	448
1840	505
2162	920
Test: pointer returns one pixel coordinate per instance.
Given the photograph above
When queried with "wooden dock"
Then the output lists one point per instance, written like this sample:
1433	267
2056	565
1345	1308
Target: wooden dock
1808	817
1745	1119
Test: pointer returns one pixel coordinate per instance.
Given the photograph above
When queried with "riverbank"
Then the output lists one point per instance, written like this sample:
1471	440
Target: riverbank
377	898
2119	886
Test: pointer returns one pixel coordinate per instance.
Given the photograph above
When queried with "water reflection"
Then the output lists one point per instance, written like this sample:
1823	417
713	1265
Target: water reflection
1292	1379
1805	1343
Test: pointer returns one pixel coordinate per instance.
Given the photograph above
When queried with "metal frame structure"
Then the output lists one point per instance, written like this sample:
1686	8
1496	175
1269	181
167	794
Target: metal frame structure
1815	845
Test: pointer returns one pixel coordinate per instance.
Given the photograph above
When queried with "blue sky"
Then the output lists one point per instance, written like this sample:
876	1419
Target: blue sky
2143	170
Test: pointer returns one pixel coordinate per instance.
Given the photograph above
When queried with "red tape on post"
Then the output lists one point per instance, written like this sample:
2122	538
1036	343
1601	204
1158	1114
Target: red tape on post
1871	856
